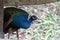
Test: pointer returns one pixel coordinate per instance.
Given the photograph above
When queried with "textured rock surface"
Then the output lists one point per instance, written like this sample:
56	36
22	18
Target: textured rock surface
1	19
27	2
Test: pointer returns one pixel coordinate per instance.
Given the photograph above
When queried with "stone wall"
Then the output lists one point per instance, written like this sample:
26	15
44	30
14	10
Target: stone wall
1	19
26	2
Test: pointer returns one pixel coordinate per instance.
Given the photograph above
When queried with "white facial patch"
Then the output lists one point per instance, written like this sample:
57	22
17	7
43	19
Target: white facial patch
33	17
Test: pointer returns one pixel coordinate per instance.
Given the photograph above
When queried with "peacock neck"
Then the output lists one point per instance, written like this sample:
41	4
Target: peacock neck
30	20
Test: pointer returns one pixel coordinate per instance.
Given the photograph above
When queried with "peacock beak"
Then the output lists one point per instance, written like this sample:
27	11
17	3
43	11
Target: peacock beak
37	18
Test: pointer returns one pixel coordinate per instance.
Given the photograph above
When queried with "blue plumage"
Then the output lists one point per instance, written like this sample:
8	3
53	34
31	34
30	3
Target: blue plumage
20	19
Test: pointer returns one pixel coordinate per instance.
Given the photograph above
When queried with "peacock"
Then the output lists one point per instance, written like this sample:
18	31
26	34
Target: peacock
19	19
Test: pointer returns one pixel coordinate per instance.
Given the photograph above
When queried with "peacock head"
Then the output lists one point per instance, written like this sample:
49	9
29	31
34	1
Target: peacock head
33	17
